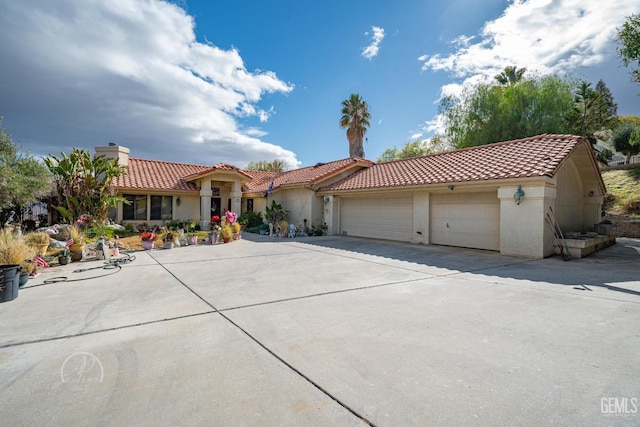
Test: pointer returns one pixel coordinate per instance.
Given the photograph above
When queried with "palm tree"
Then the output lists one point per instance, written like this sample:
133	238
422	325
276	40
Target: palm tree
355	118
510	75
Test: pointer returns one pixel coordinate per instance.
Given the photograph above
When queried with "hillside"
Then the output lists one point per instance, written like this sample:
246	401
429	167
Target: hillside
623	192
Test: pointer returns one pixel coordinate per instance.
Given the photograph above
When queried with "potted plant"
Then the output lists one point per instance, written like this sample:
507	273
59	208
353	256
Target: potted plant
148	239
235	228
64	257
192	238
14	251
168	240
283	226
76	242
28	268
39	240
226	232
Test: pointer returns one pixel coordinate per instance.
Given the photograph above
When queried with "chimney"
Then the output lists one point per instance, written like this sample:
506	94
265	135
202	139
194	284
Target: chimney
114	151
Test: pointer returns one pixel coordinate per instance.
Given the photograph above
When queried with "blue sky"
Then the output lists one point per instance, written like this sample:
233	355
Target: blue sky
228	81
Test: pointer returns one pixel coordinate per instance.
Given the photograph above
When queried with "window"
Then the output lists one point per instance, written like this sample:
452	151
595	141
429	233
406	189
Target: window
161	207
136	209
249	205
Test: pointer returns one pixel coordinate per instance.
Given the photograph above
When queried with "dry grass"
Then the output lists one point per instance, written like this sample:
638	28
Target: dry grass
14	249
37	238
623	191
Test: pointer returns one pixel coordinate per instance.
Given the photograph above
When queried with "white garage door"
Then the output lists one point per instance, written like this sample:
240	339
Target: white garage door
469	220
383	217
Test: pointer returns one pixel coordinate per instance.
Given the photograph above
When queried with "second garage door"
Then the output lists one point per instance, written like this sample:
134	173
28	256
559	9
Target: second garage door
469	220
383	217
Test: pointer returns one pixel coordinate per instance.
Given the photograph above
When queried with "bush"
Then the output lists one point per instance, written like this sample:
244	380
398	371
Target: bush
251	219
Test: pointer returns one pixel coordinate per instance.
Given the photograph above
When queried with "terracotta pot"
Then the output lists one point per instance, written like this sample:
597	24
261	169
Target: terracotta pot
76	250
225	239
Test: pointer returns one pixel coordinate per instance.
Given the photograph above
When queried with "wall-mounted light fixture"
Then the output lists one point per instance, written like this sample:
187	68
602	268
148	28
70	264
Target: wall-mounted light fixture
450	187
591	193
326	200
519	195
178	201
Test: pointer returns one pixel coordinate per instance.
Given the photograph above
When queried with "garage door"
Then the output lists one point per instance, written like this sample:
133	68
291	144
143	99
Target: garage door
469	220
383	217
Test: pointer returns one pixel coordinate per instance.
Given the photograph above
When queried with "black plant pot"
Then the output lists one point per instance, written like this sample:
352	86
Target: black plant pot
24	278
64	260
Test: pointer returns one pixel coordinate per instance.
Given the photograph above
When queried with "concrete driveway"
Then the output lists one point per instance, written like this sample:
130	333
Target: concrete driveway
324	332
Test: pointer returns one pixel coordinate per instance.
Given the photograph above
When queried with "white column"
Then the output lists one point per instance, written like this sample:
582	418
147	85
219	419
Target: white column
236	197
330	214
205	205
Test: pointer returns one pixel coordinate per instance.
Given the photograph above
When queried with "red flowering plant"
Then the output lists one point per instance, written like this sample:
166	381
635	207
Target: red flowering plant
149	235
215	219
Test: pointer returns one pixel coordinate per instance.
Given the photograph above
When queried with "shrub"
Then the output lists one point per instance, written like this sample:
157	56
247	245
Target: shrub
251	219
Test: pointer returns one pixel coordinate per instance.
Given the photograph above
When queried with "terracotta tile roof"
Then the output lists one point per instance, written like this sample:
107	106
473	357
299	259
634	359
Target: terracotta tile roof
529	157
158	175
306	175
219	166
261	181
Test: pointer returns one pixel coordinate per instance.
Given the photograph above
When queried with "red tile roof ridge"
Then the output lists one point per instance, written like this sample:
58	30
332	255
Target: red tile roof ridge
493	144
170	162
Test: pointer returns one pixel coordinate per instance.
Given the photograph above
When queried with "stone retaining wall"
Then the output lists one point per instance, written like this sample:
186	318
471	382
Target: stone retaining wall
624	226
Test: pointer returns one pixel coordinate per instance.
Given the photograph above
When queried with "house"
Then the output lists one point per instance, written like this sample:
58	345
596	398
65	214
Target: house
160	191
466	197
459	198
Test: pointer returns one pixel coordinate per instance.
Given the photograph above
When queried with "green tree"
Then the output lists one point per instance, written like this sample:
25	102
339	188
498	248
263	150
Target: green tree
409	149
629	39
23	179
84	183
487	113
593	110
276	165
510	75
608	111
626	139
355	118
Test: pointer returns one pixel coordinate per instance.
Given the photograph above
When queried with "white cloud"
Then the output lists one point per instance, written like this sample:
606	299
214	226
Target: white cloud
130	71
545	36
542	35
376	38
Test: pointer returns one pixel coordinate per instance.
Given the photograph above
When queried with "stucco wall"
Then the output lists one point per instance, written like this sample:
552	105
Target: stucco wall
300	203
523	229
259	205
569	208
189	208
